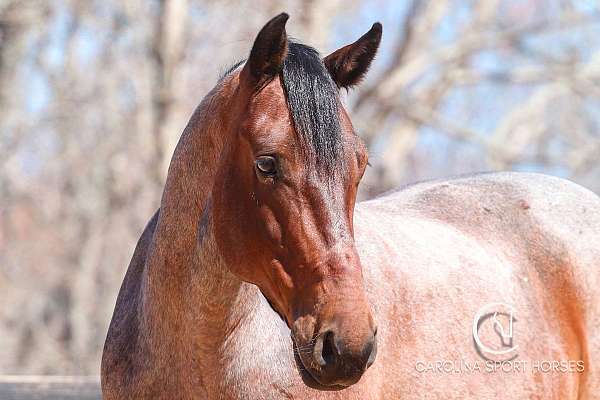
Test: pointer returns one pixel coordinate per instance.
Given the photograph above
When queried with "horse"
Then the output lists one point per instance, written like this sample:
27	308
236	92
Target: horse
261	277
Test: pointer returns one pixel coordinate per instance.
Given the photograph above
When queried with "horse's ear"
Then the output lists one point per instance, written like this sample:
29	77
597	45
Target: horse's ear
268	52
349	64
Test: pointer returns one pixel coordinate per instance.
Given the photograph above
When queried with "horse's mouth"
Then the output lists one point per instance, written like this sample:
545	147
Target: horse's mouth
307	377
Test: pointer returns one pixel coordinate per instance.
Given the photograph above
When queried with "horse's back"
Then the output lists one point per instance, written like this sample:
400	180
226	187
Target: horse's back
119	363
532	210
437	251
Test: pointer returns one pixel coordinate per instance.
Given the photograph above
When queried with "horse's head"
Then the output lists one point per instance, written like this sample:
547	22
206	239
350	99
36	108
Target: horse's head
285	193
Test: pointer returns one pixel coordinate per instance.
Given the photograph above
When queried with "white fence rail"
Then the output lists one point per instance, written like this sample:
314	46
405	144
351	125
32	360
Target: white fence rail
17	387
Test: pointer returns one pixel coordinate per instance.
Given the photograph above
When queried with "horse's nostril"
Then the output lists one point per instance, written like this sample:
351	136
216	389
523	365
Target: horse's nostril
325	351
330	351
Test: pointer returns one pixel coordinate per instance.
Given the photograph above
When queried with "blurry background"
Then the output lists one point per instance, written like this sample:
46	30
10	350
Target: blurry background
95	93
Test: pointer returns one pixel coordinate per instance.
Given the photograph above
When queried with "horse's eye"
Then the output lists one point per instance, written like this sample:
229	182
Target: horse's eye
266	165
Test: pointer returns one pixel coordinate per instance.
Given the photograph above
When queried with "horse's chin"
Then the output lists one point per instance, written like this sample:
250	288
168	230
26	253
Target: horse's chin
307	377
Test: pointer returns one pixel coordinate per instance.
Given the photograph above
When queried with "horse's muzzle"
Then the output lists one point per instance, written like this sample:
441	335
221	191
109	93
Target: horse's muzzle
339	363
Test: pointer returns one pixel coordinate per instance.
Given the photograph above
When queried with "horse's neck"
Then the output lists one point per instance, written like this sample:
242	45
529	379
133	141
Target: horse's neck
192	315
190	302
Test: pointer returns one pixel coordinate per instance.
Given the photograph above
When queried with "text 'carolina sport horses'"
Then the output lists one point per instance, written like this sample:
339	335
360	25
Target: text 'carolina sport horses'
260	278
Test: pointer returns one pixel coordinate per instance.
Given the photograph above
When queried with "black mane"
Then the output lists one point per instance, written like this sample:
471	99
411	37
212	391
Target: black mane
312	97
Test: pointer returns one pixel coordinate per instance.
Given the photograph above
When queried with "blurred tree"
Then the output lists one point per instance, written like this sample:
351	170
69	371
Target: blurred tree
490	85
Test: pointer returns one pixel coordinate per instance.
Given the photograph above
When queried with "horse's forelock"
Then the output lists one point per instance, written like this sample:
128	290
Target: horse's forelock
313	101
312	98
